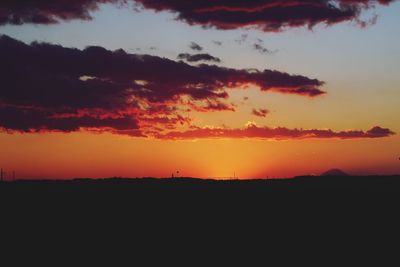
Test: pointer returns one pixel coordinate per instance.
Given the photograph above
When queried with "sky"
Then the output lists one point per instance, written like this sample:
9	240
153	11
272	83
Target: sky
211	89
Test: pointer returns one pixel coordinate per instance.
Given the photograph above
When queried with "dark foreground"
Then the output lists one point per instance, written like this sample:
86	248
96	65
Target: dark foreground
153	213
189	186
118	192
185	195
168	200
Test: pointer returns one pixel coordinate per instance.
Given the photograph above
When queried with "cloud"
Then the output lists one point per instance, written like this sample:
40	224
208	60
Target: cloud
34	120
198	57
50	87
211	106
195	46
266	15
46	87
262	49
49	11
260	112
279	133
377	132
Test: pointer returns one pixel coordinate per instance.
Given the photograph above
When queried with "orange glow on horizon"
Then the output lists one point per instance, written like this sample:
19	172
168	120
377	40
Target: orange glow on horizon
64	156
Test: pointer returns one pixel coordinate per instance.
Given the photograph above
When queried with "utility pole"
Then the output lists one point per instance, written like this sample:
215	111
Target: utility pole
1	174
13	176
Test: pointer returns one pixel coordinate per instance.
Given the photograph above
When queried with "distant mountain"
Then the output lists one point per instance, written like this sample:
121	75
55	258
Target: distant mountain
334	172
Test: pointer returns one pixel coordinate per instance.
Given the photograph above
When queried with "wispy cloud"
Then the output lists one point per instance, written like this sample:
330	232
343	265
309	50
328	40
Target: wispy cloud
196	47
260	112
263	50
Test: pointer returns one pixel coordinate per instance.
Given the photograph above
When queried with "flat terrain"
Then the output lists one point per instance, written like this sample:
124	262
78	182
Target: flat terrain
187	205
151	187
183	195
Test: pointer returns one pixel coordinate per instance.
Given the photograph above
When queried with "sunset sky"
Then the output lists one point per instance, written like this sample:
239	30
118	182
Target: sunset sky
262	88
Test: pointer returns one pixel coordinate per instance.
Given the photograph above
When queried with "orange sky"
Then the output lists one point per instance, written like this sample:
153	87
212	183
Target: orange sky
105	155
69	155
86	154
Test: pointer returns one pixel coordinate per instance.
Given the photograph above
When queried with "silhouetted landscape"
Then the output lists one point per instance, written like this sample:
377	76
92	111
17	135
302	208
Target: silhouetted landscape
188	206
188	185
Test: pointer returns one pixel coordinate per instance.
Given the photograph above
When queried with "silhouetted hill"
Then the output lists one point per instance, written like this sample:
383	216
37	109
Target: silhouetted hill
334	172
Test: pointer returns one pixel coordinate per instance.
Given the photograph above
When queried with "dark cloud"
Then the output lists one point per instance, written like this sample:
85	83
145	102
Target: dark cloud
260	112
45	87
65	89
33	120
195	46
267	15
263	50
279	133
211	106
49	11
377	132
198	57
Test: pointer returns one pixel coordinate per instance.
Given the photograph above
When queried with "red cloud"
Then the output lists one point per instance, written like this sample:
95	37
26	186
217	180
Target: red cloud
280	133
66	89
34	120
267	15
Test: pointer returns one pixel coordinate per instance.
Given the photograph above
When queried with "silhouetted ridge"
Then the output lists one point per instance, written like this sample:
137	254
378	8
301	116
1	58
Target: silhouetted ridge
334	172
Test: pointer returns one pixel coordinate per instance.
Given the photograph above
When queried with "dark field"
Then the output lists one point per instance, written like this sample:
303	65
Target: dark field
188	195
300	183
190	187
187	207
